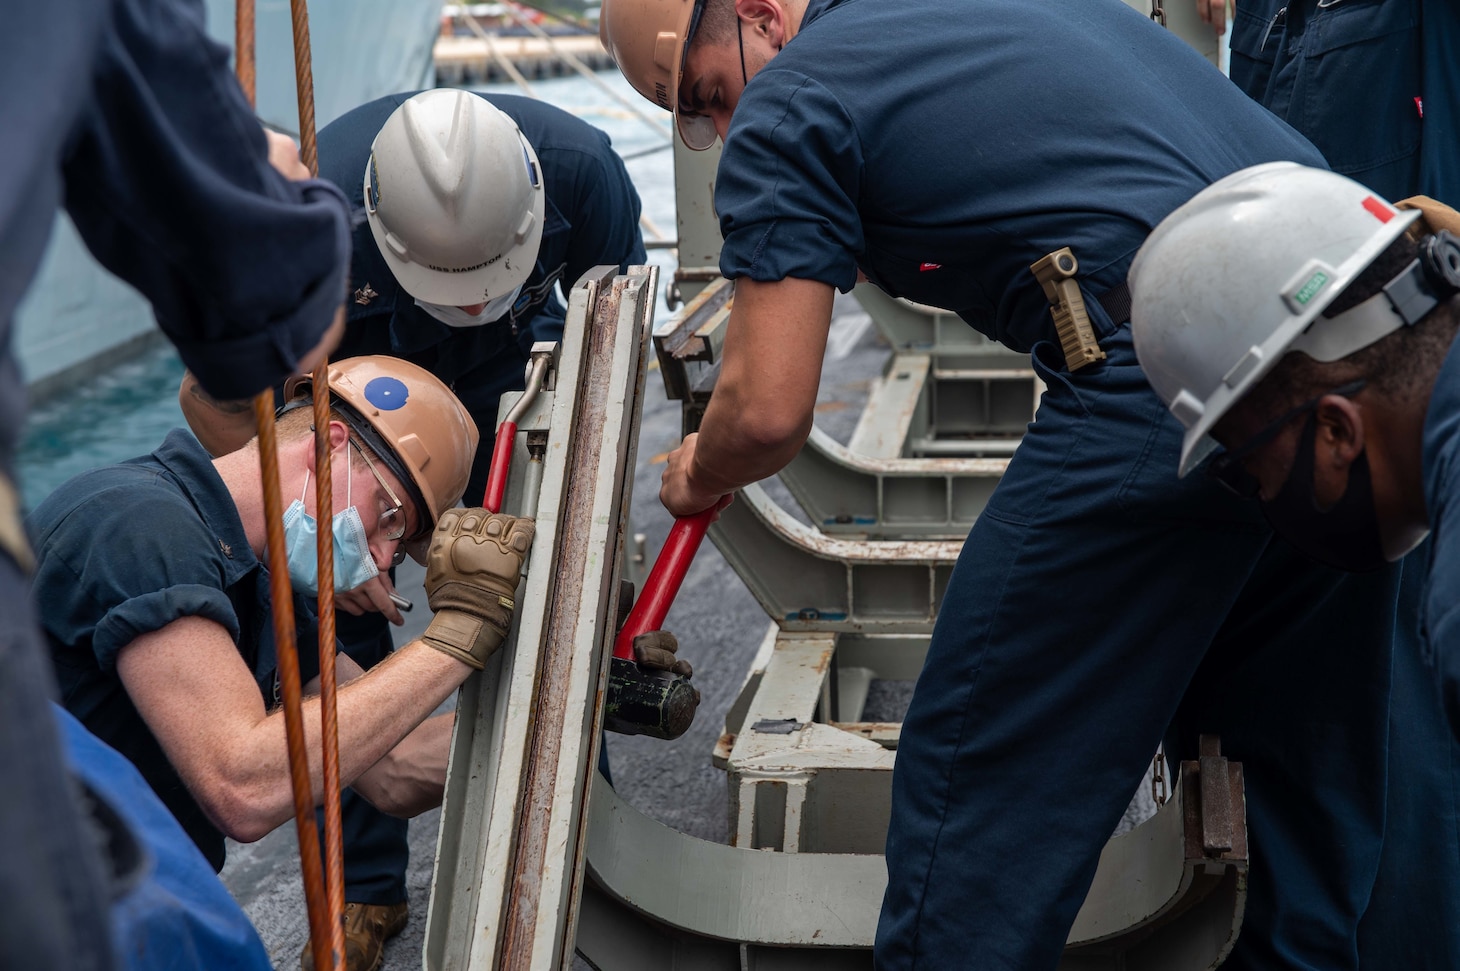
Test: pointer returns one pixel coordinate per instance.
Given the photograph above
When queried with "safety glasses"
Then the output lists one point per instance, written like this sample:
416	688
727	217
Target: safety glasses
1226	466
393	520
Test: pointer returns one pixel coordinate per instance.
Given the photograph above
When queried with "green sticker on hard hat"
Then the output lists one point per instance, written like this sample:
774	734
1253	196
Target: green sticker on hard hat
1308	290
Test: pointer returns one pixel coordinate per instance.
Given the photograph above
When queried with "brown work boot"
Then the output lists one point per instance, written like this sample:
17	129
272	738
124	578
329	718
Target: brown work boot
367	928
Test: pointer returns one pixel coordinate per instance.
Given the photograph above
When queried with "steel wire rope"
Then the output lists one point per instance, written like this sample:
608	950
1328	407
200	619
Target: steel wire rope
330	951
324	907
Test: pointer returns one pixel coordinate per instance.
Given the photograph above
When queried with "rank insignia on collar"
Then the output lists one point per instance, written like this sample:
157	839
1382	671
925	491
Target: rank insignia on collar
365	294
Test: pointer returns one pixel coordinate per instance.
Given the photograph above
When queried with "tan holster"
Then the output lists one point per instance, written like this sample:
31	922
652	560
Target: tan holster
12	533
1056	274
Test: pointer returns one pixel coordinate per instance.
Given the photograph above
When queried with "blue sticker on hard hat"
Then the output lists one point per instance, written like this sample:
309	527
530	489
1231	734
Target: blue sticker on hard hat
387	394
531	169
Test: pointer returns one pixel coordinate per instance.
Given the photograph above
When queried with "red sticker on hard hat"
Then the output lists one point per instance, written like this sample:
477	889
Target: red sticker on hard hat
1380	211
1419	105
925	267
386	393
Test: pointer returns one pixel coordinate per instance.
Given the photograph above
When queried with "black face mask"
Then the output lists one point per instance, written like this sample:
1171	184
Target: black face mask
1346	535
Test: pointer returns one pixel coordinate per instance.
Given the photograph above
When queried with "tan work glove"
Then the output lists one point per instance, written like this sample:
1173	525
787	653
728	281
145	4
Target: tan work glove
1437	215
655	649
472	569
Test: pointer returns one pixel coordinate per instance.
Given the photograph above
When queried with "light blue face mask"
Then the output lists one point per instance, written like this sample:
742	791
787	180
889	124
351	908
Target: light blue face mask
494	309
353	562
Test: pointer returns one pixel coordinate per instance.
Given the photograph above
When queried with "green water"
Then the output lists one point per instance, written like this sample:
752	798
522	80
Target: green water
113	416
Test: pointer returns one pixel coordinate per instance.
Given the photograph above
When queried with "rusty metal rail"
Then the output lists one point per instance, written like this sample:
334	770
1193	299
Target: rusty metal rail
509	867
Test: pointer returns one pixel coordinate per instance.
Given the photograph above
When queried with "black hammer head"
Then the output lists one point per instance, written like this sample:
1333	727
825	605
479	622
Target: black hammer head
648	702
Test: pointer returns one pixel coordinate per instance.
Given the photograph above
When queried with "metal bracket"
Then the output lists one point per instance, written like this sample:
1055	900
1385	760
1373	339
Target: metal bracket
688	346
535	861
1215	814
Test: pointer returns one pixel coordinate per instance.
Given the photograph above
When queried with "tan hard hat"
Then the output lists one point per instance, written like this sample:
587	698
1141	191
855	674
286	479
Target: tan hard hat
411	420
647	39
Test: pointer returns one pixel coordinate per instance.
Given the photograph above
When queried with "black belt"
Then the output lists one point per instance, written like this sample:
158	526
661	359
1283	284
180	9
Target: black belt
1116	302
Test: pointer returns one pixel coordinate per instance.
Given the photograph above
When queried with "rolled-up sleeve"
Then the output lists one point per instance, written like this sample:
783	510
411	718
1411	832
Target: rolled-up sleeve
124	562
168	181
788	185
154	610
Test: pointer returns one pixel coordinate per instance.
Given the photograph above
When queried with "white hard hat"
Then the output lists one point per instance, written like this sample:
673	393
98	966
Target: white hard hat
454	196
1238	276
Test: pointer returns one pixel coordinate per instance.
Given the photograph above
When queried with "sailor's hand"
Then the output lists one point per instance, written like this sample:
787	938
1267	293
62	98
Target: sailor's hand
472	570
656	649
372	596
1215	13
284	156
677	489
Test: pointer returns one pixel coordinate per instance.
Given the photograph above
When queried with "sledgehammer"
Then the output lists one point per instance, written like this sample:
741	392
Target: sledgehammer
640	701
645	701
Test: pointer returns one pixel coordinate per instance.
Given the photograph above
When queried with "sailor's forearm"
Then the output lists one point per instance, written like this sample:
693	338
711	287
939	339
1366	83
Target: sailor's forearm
373	718
764	399
411	778
740	443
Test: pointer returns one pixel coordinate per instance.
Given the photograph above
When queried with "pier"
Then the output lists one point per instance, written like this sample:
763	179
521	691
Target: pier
480	59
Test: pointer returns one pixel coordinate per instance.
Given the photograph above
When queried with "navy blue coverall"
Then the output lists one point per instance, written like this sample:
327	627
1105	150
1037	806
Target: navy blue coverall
1441	468
591	217
129	111
942	147
1374	84
123	551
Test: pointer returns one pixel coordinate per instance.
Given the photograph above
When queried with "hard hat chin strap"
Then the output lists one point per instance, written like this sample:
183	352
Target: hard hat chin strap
1404	301
740	36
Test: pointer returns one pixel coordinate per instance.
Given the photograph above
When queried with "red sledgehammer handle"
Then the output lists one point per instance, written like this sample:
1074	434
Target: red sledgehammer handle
501	463
665	578
542	355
